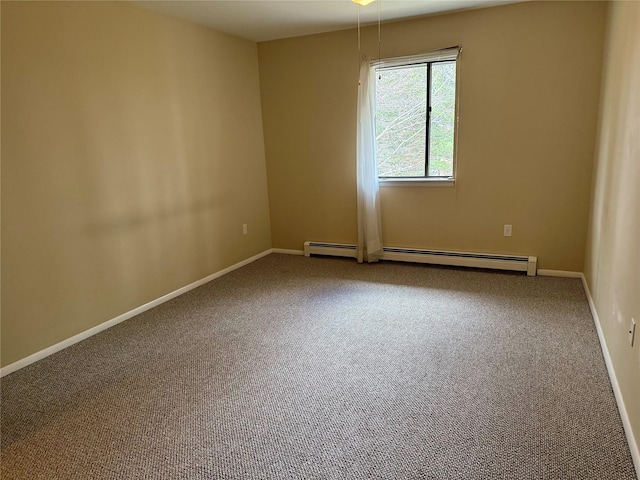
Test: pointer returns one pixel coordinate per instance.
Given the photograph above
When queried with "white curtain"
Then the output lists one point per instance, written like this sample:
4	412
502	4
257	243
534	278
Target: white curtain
369	224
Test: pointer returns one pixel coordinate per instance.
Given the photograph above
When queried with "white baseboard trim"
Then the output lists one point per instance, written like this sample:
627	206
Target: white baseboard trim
287	251
559	273
125	316
633	446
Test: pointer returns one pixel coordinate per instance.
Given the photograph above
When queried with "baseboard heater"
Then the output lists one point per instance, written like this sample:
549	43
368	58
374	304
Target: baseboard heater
332	249
463	259
437	257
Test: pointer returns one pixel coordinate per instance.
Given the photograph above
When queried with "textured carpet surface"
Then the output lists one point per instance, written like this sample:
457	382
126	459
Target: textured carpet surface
321	368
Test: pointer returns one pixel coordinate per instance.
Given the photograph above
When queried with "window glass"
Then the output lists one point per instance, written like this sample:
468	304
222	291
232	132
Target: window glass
401	107
443	112
415	120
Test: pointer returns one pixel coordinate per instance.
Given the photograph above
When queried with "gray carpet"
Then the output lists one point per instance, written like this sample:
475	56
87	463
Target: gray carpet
321	368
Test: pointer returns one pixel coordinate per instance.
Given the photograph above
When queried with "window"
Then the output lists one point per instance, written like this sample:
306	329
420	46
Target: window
416	117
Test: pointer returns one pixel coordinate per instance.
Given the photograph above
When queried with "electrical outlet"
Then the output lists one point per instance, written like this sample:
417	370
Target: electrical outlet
632	331
244	229
507	230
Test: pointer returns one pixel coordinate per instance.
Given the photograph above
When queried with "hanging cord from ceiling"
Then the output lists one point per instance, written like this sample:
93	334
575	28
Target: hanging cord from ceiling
379	57
360	56
359	47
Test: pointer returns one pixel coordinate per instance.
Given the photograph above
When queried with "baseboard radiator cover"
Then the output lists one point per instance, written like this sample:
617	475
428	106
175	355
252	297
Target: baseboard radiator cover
331	249
463	259
436	257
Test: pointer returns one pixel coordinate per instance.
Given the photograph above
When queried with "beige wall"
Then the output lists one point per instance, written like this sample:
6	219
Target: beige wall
132	154
529	89
612	266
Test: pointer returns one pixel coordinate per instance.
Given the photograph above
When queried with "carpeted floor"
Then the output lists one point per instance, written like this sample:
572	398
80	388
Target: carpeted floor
321	368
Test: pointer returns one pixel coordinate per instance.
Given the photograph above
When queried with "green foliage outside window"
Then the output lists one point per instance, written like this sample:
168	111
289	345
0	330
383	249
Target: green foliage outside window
401	120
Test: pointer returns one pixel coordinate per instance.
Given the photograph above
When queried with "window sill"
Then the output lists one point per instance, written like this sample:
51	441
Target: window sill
417	182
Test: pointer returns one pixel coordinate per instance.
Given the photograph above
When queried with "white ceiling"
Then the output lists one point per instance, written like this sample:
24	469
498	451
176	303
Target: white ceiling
261	20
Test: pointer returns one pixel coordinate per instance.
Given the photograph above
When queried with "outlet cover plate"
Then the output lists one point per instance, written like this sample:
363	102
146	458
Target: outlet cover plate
632	331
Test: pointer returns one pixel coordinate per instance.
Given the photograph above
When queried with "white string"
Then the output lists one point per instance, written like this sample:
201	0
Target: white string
359	79
379	2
